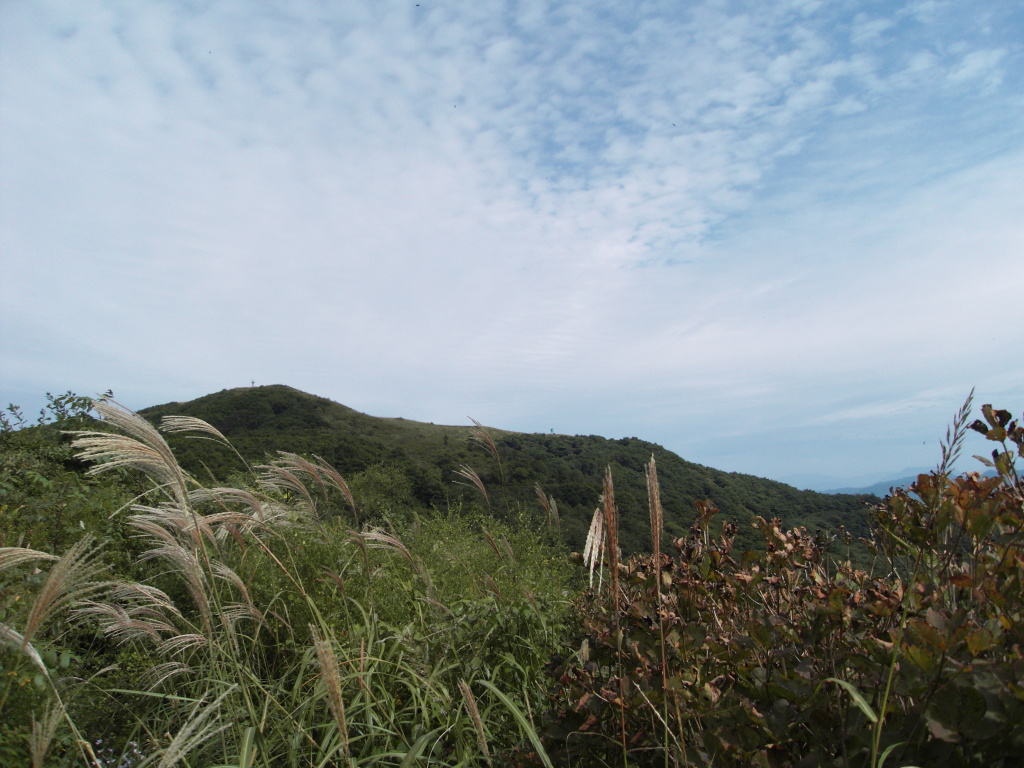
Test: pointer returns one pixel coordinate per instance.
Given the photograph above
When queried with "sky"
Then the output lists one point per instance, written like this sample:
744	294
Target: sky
780	238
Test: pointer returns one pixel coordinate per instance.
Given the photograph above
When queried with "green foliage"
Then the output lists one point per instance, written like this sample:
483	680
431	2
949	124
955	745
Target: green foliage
568	468
270	621
290	617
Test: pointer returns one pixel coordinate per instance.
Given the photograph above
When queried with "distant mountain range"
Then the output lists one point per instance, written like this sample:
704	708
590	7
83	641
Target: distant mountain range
863	484
427	459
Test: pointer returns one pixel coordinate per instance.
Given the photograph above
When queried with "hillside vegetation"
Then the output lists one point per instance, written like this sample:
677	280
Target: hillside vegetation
257	613
426	459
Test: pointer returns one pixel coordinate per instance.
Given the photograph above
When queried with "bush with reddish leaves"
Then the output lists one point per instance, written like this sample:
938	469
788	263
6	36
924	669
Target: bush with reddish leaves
791	656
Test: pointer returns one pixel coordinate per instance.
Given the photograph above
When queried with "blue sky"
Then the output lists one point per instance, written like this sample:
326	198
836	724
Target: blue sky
780	238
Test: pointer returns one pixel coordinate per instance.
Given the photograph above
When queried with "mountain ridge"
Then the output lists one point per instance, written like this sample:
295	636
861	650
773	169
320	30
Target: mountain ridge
569	468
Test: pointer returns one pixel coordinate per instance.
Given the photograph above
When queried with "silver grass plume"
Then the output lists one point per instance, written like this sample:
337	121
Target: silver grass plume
274	476
657	513
14	639
544	503
179	424
157	675
13	556
205	430
141	447
474	714
255	516
334	477
492	543
593	550
482	436
195	731
470	474
320	472
382	540
42	734
186	563
330	674
71	579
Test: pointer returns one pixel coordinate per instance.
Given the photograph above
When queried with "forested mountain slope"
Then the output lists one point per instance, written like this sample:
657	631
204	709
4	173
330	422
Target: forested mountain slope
422	462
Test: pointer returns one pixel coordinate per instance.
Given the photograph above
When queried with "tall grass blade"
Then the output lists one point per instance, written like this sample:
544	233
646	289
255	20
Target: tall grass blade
520	718
857	697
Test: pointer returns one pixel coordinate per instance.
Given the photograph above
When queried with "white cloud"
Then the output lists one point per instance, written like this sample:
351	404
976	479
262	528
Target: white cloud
980	65
608	211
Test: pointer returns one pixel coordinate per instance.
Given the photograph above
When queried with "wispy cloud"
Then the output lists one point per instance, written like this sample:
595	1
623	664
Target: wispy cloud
622	217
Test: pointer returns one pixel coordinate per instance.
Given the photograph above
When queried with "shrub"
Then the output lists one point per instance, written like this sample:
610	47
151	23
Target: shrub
790	656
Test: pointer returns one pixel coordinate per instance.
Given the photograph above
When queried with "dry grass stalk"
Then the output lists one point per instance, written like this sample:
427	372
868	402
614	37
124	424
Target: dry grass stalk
70	580
474	714
330	673
593	550
195	731
142	447
657	522
544	503
470	474
657	513
12	556
611	519
42	734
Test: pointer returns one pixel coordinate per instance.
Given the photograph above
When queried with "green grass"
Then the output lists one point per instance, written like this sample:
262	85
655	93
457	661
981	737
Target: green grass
269	631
